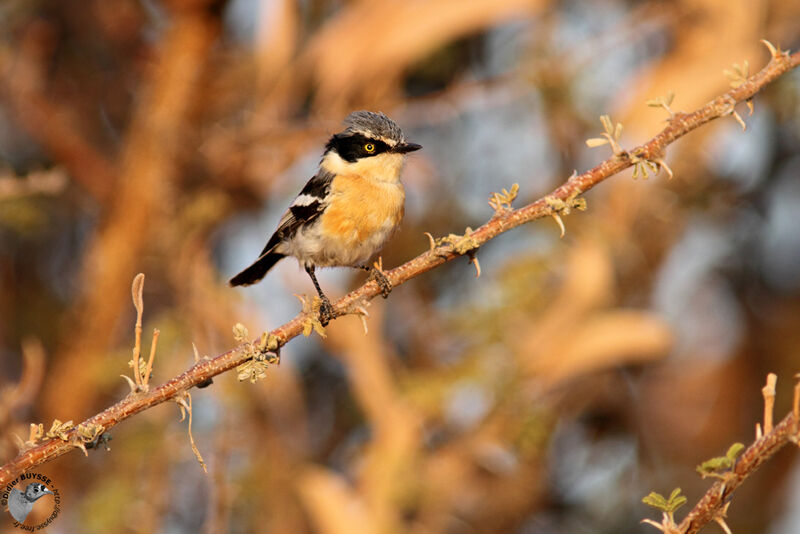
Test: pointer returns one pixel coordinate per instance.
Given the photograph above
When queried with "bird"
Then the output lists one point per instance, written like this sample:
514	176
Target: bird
348	210
20	503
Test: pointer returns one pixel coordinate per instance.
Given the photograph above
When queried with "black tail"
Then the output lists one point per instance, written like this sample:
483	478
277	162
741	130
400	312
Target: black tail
256	272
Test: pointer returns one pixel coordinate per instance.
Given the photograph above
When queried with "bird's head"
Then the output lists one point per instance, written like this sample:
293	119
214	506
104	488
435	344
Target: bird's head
36	490
371	144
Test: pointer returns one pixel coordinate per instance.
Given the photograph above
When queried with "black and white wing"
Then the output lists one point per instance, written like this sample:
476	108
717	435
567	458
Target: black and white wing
304	209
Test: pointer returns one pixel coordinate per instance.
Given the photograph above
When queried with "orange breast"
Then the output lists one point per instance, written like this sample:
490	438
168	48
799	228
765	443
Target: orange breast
361	208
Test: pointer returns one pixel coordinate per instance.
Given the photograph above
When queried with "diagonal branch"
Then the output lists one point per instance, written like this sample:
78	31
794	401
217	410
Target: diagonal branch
503	220
719	494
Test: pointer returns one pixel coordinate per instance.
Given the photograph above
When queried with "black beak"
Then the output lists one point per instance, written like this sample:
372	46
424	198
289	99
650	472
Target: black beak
405	148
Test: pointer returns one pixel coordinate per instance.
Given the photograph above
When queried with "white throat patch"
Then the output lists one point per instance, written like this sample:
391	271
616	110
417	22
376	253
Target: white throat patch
384	167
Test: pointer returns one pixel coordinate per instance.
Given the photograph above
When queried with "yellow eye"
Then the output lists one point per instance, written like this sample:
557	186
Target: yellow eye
369	147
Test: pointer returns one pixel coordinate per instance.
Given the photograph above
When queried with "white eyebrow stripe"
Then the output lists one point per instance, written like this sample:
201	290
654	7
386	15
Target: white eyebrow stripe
371	135
390	142
305	200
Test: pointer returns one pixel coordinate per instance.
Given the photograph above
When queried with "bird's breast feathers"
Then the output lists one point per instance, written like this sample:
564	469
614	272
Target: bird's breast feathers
359	217
360	208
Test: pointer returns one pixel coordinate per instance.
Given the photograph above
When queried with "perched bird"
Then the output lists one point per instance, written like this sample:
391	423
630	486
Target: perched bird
20	503
348	210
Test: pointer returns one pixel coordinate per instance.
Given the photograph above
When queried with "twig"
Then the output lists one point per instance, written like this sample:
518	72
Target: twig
149	368
715	501
138	302
47	182
184	402
769	401
678	126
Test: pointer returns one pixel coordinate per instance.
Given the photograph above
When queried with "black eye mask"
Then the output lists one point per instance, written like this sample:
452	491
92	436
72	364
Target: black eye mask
351	147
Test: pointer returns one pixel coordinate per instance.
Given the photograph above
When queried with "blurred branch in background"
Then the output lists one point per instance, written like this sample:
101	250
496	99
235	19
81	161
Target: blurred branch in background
143	196
54	125
49	182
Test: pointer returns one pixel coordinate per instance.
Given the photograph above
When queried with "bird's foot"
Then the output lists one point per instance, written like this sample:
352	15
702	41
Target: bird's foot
325	311
380	278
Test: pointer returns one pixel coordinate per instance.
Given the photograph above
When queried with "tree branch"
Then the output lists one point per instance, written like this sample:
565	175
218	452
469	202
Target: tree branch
731	470
718	495
503	220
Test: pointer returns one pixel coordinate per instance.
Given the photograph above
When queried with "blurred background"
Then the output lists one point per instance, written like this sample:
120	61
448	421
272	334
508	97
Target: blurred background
550	395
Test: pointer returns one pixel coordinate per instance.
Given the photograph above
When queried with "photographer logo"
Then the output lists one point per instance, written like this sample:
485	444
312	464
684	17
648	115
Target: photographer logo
28	492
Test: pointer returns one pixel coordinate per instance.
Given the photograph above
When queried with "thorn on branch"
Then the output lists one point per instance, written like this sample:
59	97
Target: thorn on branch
610	136
730	109
560	223
558	207
739	120
663	165
473	259
78	444
359	309
775	52
131	384
431	241
720	516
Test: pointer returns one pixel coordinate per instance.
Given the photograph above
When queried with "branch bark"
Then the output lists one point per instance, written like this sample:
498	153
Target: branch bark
712	504
679	125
